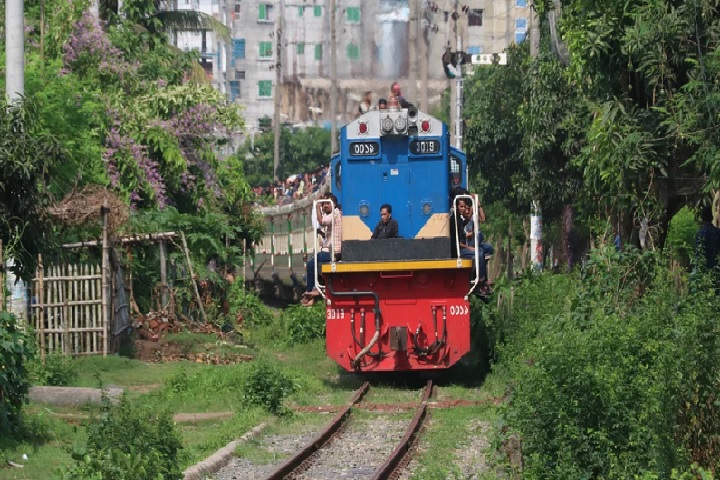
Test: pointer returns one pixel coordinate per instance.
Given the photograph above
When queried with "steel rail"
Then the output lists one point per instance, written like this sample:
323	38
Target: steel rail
391	467
291	465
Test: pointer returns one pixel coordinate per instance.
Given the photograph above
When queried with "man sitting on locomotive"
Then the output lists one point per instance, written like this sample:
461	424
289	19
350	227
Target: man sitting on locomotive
475	236
331	222
472	241
387	227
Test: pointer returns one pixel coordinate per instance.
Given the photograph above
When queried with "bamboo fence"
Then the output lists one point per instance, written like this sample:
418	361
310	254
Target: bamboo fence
67	309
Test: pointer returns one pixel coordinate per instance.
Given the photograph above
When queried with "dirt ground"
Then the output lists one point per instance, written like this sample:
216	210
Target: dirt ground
151	351
161	350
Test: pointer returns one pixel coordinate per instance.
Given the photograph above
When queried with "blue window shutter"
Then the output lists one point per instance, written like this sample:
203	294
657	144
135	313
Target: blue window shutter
521	23
519	36
521	3
475	50
238	48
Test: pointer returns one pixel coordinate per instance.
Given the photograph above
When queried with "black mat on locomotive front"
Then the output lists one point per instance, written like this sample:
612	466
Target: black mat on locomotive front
395	249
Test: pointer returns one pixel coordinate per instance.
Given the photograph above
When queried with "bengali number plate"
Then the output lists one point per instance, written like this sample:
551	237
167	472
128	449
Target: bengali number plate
364	148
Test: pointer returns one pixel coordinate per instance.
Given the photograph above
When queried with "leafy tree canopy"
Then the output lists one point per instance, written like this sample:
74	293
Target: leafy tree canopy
301	151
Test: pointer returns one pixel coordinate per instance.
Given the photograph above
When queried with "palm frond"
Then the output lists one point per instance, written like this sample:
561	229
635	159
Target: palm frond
190	21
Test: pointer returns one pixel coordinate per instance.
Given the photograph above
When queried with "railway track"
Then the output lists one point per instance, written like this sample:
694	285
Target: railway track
354	448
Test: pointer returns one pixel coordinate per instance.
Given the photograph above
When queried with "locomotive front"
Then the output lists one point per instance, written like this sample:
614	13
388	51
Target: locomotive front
397	304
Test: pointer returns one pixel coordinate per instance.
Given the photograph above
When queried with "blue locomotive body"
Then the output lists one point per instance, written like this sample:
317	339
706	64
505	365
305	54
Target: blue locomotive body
402	158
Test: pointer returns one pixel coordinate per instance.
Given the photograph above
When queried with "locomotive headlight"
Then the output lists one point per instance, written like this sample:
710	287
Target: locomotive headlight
426	207
364	210
387	125
400	124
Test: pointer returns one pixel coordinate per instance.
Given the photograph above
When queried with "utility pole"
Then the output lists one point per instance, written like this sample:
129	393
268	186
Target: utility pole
333	79
536	246
278	89
229	45
412	51
423	53
14	50
458	79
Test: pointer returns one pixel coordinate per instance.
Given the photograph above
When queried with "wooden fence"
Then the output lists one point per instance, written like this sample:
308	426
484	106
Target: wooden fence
67	310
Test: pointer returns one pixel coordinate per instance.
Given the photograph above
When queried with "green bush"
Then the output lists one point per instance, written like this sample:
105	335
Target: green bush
116	464
128	442
615	378
16	349
58	371
680	242
303	325
247	308
267	386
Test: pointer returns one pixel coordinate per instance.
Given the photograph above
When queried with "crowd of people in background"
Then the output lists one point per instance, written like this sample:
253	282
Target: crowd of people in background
294	187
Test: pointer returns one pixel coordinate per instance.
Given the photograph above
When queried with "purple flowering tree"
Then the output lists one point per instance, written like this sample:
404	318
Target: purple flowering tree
162	137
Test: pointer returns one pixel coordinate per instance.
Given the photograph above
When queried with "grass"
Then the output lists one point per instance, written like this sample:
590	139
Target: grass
122	371
450	433
48	447
201	439
187	387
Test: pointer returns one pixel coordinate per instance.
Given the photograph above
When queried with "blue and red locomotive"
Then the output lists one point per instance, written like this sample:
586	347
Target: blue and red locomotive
397	304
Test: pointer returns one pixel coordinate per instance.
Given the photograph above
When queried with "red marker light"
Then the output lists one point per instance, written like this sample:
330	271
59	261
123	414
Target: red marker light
362	128
425	126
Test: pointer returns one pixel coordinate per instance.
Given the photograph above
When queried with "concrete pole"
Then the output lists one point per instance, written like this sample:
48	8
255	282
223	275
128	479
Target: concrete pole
459	80
229	70
278	90
333	79
14	50
423	53
536	245
412	51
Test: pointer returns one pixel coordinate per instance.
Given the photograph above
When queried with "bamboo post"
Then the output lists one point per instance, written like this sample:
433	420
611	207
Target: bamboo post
163	275
192	276
105	275
65	313
41	307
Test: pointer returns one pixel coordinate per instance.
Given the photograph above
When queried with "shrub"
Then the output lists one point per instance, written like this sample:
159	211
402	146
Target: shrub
621	382
247	308
128	442
267	386
58	371
16	349
302	324
680	241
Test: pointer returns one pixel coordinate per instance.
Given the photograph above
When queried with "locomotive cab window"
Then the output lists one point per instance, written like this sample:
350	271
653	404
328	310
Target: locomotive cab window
455	172
337	175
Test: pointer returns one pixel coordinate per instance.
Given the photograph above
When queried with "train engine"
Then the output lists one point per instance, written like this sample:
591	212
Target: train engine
397	304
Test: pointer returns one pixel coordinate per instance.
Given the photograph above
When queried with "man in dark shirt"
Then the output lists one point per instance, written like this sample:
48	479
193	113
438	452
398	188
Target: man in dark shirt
395	90
707	242
387	227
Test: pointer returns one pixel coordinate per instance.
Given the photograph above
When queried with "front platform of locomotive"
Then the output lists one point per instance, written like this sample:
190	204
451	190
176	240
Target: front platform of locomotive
397	304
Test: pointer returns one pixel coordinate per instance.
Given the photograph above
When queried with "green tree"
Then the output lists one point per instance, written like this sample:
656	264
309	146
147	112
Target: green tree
521	133
303	150
29	157
630	61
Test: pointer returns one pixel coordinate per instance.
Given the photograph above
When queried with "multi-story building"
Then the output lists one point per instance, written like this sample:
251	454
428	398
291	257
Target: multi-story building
371	49
212	49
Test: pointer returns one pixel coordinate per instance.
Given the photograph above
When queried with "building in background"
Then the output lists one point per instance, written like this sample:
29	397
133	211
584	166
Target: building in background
372	49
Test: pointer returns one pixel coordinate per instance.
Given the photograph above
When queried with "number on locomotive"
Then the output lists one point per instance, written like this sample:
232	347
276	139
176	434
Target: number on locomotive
364	148
421	147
